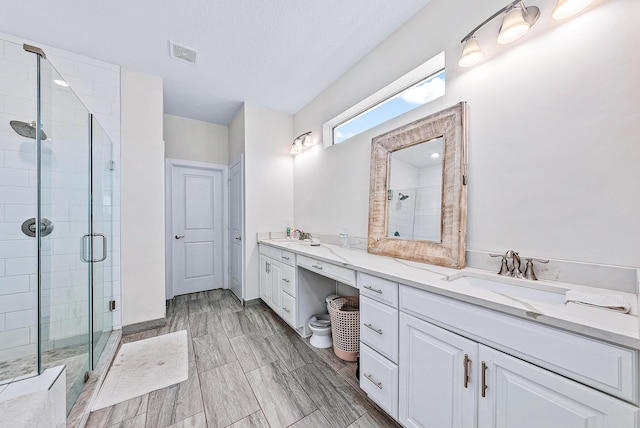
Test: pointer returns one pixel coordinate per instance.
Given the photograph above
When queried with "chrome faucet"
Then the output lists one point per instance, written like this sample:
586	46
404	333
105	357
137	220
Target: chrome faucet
514	269
302	235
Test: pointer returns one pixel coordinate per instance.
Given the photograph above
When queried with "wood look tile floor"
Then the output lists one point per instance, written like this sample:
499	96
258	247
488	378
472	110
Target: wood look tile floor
247	369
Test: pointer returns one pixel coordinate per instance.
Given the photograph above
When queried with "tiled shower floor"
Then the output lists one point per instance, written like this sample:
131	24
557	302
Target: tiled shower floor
75	358
247	368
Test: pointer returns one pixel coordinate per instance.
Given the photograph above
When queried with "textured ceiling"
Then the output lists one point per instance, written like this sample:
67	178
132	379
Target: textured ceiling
275	53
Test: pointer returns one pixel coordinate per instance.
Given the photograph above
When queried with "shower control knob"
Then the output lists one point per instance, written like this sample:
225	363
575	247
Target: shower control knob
179	236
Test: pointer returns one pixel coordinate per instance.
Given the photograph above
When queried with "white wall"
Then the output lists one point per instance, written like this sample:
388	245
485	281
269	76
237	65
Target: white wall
195	140
268	182
143	255
236	135
553	145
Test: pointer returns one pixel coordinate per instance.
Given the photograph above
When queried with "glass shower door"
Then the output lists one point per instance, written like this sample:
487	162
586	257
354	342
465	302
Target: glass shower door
64	198
102	237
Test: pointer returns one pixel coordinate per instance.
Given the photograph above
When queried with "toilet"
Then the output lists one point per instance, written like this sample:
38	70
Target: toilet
320	326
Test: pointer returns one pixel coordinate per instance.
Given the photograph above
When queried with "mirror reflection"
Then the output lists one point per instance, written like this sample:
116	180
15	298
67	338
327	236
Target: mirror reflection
414	195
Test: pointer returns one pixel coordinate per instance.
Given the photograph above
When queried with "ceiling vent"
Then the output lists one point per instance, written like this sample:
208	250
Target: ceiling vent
182	53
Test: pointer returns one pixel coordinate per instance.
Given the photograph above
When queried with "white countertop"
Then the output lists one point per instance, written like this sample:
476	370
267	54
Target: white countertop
614	327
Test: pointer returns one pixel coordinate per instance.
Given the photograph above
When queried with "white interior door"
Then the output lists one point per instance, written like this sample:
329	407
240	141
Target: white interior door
235	226
197	229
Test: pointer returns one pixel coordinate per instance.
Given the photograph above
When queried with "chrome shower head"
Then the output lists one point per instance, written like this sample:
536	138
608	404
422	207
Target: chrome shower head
27	130
402	196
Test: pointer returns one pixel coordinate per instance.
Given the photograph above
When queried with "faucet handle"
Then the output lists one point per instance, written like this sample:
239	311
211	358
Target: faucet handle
504	268
529	273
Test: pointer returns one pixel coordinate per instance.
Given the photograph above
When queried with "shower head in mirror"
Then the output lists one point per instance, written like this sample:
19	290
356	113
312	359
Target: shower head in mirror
27	130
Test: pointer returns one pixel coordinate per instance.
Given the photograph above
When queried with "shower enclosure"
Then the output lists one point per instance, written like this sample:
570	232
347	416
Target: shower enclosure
55	172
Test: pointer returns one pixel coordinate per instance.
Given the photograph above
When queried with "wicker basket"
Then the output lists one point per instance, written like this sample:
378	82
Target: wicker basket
345	326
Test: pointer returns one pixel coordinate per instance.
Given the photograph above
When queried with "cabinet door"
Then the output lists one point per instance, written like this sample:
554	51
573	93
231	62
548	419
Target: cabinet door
265	280
438	382
519	394
276	286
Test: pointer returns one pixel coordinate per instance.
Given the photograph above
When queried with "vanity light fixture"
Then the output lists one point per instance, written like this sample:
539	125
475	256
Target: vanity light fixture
515	24
567	8
301	143
435	155
471	53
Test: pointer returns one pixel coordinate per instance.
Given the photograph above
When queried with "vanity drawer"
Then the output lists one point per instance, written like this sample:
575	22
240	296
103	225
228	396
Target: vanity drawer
288	258
379	379
289	280
609	368
342	274
272	252
379	289
289	310
379	327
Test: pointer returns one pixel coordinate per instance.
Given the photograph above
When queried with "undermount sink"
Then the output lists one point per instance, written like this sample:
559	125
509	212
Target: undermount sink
510	287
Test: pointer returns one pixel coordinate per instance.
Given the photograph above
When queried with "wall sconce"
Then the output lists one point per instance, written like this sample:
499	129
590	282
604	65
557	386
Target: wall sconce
301	143
515	24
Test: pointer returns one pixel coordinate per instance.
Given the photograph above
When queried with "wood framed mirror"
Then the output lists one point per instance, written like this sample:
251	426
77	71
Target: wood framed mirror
418	190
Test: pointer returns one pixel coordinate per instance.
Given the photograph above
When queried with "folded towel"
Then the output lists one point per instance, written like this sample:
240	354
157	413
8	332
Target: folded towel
613	302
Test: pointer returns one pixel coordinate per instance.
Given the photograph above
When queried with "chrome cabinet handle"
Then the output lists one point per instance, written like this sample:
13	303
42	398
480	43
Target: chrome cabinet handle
377	330
484	379
317	267
239	238
375	290
285	258
179	236
285	309
285	280
378	384
466	363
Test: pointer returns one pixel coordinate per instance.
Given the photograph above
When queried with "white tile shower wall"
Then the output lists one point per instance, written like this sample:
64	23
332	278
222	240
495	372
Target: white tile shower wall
97	84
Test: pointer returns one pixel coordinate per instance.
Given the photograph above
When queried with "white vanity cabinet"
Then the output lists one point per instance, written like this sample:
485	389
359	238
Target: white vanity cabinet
270	282
436	388
278	281
519	394
379	340
449	380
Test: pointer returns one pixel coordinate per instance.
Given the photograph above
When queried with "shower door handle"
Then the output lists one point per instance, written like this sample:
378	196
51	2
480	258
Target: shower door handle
85	247
104	247
84	255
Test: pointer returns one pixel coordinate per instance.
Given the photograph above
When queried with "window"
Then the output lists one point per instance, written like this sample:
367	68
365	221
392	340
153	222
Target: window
414	89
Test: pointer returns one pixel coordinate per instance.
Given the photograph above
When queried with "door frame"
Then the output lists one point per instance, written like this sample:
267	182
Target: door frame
170	164
238	160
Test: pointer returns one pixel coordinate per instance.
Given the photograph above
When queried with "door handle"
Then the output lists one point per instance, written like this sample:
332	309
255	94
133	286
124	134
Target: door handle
88	238
104	247
179	236
239	238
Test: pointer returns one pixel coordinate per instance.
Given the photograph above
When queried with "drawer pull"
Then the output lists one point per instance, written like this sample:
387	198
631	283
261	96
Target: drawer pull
285	309
285	258
484	379
377	330
375	290
285	280
378	384
317	267
466	363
